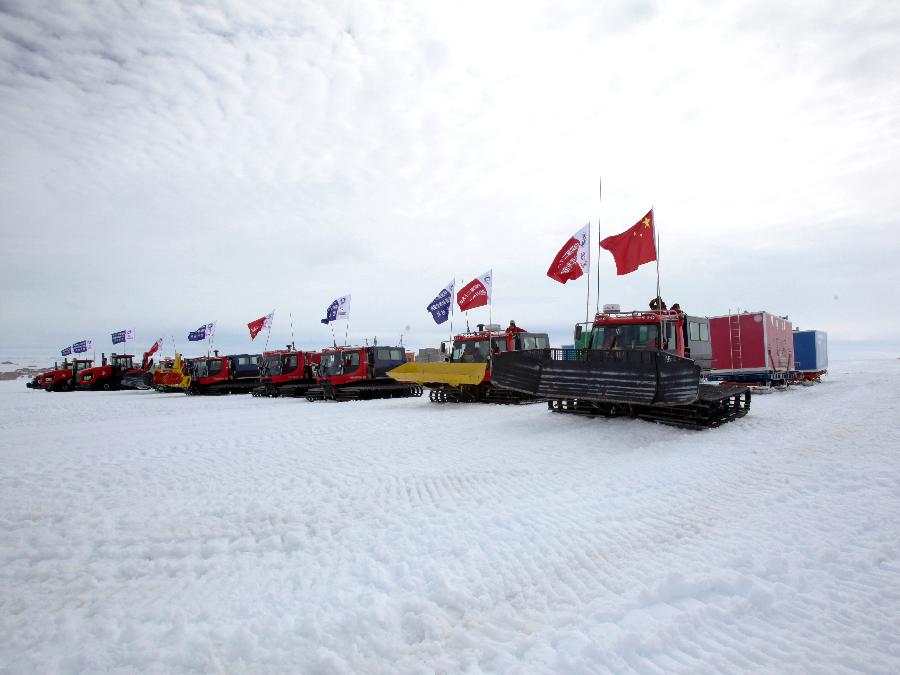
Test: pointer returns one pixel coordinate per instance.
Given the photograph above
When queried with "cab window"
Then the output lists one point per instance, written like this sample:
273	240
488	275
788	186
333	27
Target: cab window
215	367
693	331
351	362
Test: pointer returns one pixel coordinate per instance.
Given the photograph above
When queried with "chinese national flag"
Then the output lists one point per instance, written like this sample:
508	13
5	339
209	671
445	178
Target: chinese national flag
634	247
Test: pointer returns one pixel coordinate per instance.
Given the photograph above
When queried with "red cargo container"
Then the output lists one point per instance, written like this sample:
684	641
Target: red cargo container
752	345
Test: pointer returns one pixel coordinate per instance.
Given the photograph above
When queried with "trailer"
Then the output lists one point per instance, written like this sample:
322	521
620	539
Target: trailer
754	348
810	354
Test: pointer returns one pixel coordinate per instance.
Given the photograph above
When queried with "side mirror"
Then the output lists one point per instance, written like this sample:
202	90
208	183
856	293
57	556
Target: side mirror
578	332
443	348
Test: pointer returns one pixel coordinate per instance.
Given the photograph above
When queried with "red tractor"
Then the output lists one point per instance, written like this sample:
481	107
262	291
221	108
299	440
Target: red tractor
233	374
466	376
360	373
61	379
119	372
287	372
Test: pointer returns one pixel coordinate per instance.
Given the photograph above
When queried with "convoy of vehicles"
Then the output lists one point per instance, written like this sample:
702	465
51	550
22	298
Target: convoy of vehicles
658	364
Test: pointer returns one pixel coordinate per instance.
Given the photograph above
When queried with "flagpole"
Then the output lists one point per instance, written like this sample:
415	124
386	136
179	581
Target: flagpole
347	330
452	303
598	244
658	294
291	316
491	309
587	300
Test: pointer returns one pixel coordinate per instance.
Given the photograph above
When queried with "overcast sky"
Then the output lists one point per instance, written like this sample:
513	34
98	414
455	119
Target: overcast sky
167	164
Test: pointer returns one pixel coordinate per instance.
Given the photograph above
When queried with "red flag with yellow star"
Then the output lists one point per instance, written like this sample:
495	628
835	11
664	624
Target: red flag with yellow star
634	247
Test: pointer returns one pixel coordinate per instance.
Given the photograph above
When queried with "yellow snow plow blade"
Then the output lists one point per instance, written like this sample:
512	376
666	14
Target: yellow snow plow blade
454	374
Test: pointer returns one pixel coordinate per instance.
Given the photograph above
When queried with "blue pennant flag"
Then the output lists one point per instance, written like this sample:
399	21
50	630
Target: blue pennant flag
67	351
440	306
203	332
339	309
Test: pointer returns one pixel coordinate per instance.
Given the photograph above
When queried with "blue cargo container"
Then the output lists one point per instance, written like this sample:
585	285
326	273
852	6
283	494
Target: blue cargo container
811	351
568	352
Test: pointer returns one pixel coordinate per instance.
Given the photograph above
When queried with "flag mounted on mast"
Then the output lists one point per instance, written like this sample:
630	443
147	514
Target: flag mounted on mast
476	293
574	258
205	331
257	326
338	309
633	247
83	346
66	351
155	348
122	336
441	305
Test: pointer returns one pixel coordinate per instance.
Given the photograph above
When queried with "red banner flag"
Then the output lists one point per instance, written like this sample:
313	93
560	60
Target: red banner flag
634	247
154	348
476	293
257	326
574	257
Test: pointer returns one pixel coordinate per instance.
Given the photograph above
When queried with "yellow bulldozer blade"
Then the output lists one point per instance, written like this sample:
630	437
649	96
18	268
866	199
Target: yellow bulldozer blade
454	374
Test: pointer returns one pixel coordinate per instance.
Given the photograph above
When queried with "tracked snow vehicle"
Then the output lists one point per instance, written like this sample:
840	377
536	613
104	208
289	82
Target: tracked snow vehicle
466	376
287	372
360	373
644	364
233	374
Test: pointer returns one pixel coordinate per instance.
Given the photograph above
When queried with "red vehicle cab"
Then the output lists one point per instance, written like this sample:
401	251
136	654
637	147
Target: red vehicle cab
109	374
287	372
356	373
61	379
233	374
682	335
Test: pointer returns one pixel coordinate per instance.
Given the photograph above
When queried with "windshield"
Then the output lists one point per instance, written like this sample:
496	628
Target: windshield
330	364
470	351
626	336
534	341
289	363
199	368
123	361
272	365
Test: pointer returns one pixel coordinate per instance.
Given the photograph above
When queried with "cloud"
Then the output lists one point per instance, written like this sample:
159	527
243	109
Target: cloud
168	164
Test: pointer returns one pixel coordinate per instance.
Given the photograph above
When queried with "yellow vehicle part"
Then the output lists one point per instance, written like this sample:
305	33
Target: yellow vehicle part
454	374
174	377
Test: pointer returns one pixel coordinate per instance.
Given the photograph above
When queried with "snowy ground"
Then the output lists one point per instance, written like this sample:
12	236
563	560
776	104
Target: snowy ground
162	533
